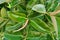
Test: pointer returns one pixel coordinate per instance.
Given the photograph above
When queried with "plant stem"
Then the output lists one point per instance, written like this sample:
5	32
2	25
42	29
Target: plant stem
54	13
22	26
55	26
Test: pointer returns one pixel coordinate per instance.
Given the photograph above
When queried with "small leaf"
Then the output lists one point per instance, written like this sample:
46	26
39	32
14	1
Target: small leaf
39	8
3	12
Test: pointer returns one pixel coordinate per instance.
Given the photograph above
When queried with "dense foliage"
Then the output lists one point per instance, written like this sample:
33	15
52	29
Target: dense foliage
29	19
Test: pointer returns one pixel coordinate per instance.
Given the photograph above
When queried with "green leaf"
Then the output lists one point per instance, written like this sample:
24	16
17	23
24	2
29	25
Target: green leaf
48	4
13	3
53	6
1	20
42	24
36	26
21	9
2	26
4	23
58	23
16	18
33	38
42	1
31	3
14	27
3	12
2	1
12	37
39	8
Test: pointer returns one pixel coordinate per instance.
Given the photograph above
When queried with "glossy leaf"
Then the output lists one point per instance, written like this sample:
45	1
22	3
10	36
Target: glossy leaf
39	8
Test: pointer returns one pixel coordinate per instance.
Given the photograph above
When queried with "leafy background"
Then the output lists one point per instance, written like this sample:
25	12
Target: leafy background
15	13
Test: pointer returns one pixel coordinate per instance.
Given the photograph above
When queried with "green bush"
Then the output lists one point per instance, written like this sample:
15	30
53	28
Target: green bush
29	19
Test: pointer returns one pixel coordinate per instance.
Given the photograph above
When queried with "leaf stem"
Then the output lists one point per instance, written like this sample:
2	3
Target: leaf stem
54	13
55	26
22	26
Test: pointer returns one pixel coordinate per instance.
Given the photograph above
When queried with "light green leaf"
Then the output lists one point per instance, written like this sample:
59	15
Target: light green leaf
2	1
39	8
16	18
3	12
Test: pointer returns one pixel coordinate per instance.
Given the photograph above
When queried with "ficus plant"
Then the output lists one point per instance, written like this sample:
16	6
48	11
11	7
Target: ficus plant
29	19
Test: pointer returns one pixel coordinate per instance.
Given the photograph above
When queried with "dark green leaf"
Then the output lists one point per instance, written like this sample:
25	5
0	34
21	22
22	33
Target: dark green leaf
42	24
36	26
53	6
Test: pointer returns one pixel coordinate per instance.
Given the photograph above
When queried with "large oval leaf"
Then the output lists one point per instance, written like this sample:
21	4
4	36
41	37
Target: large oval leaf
39	8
